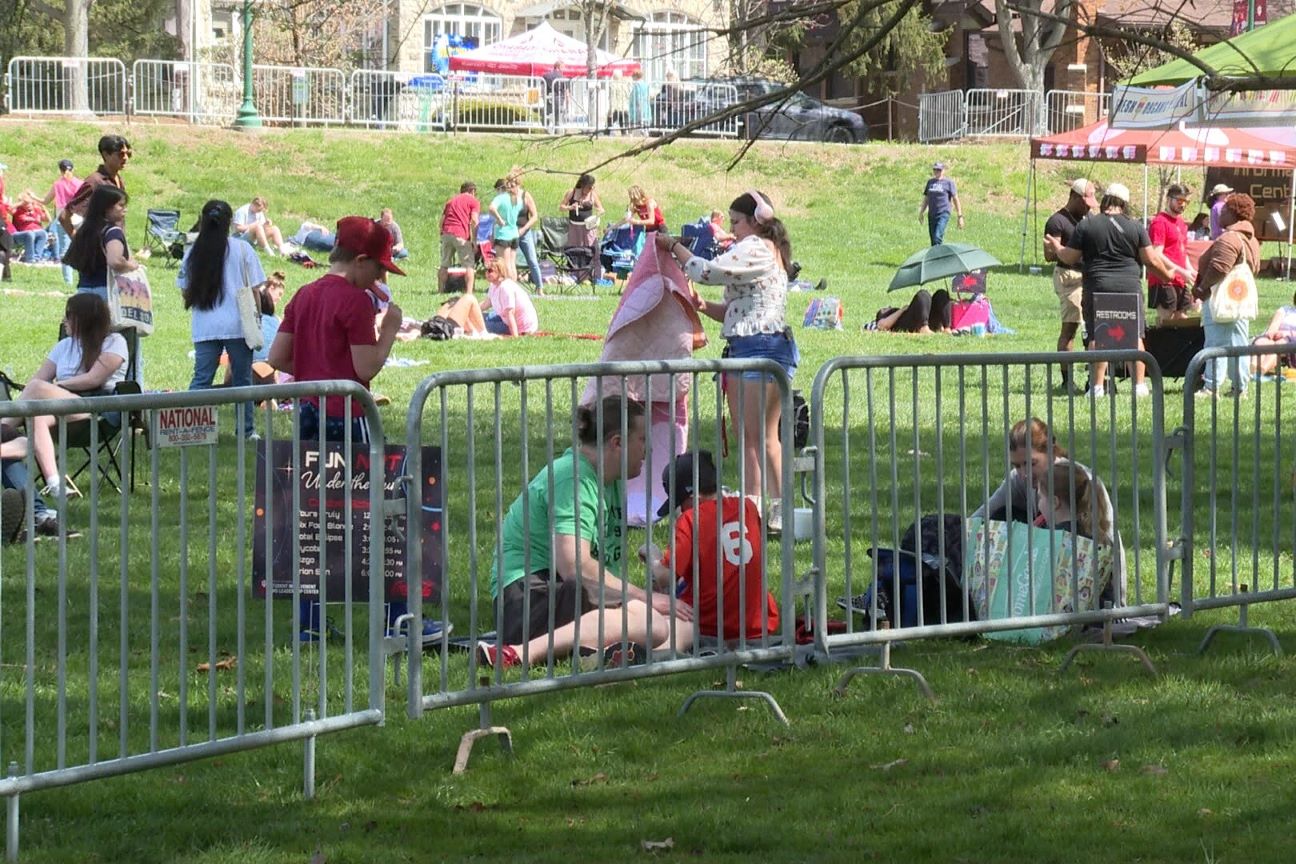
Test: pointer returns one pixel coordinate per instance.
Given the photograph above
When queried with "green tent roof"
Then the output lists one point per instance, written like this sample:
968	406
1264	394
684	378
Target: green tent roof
1266	49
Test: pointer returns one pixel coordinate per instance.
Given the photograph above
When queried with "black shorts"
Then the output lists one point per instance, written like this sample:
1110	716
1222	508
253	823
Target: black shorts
1170	298
505	244
570	600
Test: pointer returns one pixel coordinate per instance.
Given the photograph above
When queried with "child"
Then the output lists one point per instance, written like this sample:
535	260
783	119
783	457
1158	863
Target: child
1070	482
723	238
739	543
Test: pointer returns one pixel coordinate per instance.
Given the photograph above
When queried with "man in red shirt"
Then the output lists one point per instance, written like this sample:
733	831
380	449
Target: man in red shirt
1169	234
328	327
115	151
728	589
459	235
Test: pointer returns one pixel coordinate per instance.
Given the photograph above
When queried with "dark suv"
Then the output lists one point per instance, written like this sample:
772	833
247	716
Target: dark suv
800	118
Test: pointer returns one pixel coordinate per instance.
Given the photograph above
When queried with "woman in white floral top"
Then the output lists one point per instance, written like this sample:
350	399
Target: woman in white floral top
754	273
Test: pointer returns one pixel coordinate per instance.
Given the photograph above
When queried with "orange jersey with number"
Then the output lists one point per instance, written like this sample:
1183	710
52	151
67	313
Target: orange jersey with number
727	579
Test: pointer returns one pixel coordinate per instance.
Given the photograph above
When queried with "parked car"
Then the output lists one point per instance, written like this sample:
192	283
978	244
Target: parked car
800	118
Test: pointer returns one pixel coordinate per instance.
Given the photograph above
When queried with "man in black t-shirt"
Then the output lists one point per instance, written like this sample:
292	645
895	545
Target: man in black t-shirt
1067	280
1111	249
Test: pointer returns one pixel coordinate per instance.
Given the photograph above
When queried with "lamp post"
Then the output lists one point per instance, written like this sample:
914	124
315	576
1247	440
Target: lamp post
247	118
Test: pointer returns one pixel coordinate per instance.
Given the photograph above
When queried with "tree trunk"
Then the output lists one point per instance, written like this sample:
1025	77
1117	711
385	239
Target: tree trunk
1029	52
76	43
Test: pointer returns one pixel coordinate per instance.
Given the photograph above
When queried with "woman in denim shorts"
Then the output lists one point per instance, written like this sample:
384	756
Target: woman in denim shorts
754	273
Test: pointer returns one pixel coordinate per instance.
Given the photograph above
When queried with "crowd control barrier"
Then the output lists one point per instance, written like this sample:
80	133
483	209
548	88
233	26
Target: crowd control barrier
496	430
143	642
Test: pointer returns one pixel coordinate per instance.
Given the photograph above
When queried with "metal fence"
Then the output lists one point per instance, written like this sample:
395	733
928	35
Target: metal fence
498	432
198	92
941	116
300	95
143	643
66	85
1239	476
989	113
396	100
500	103
1070	109
925	441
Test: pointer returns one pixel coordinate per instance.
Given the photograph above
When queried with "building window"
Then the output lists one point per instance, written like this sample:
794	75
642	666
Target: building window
671	42
569	22
457	25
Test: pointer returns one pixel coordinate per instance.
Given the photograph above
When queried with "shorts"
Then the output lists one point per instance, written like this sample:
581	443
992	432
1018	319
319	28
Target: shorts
456	252
570	600
1068	286
495	324
1171	298
505	244
779	347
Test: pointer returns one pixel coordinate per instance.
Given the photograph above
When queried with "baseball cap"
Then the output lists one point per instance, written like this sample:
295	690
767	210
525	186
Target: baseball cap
682	471
1084	188
1118	190
364	236
938	166
1220	189
65	164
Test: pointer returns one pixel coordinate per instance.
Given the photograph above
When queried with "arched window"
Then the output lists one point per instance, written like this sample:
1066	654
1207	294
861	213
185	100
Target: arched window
457	25
570	23
671	42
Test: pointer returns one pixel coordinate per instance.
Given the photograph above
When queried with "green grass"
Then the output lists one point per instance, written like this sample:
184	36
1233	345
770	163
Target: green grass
1014	763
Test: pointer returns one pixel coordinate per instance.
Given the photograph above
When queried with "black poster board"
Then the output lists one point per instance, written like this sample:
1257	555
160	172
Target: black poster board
275	517
1271	189
1118	321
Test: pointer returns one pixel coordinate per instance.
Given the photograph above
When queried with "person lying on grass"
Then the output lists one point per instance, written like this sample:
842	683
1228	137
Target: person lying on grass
560	555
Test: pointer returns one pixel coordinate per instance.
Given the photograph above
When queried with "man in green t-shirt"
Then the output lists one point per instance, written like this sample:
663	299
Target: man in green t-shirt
562	549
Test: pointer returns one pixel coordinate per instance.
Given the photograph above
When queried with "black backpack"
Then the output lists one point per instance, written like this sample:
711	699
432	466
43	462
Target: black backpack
439	328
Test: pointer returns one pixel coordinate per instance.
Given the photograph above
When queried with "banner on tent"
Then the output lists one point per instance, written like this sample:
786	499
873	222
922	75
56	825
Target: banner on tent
1155	107
1133	153
1252	108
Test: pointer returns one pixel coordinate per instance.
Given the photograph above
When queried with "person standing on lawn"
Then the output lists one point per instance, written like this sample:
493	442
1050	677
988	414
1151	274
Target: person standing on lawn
1168	232
459	236
1068	281
940	193
115	151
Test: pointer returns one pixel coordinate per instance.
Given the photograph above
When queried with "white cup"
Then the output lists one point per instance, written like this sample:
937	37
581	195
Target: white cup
802	523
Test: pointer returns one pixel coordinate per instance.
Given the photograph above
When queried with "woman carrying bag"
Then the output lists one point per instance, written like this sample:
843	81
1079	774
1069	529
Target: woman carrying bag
1226	284
99	250
215	270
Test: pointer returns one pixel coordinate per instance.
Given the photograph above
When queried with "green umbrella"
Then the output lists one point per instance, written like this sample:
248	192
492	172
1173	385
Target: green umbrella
939	262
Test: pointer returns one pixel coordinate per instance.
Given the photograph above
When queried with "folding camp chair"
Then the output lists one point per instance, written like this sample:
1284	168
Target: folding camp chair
620	249
699	237
162	235
579	263
82	435
485	240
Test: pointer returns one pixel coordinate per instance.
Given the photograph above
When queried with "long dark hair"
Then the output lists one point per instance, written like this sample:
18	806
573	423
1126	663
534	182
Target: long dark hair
86	254
587	418
584	182
771	229
205	267
88	322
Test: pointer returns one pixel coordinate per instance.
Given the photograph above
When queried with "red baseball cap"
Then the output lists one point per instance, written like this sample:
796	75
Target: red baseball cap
364	236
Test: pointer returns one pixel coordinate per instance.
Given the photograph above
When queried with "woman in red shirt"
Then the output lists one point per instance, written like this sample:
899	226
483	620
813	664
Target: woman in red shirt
29	220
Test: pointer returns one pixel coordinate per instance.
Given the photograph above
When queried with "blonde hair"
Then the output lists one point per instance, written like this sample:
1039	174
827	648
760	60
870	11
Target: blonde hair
1068	480
637	195
496	268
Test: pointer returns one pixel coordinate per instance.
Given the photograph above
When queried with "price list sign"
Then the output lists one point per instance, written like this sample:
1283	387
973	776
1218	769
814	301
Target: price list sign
343	483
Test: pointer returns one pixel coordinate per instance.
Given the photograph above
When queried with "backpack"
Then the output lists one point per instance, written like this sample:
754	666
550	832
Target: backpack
920	552
800	421
439	328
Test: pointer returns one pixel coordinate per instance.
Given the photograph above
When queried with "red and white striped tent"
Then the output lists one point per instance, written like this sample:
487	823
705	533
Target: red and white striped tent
534	53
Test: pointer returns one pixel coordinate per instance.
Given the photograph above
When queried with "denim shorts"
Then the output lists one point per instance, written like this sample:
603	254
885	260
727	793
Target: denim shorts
779	347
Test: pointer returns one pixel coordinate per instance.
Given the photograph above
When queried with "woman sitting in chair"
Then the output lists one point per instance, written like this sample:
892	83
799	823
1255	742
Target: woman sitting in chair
90	360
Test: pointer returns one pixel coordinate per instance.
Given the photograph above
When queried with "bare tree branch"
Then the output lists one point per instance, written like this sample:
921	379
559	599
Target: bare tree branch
47	9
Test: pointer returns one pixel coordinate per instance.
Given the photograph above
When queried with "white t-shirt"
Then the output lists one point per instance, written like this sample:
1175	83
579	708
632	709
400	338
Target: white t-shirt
66	357
244	216
242	267
510	295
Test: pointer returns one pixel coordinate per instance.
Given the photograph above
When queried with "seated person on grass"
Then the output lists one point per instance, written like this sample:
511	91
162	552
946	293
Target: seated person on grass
253	225
1280	331
572	565
398	237
734	584
314	236
513	313
926	313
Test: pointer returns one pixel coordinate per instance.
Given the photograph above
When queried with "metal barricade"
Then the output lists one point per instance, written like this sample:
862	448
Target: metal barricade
1016	113
1070	109
399	100
941	116
908	438
198	92
499	102
300	95
1239	471
501	435
67	85
135	639
678	104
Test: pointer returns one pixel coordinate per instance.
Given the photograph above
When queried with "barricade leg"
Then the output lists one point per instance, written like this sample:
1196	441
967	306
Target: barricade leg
731	691
308	768
484	729
11	822
885	669
1108	646
1241	627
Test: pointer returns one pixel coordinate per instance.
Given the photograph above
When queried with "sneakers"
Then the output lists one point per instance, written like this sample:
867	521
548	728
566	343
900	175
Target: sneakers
614	656
497	657
1097	391
774	521
432	630
13	506
1143	390
1205	393
47	524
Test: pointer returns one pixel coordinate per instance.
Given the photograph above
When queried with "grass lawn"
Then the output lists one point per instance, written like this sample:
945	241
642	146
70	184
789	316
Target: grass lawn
1015	763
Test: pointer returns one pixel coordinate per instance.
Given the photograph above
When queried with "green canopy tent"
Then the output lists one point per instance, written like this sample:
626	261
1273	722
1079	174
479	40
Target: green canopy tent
1266	50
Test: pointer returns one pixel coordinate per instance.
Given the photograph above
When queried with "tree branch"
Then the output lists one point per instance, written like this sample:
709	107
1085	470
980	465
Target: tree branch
47	9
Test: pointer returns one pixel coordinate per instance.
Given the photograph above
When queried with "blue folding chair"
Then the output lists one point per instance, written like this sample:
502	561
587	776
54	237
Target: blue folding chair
699	237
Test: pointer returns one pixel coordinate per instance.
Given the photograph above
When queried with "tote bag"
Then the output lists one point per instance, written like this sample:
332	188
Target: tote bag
130	301
1235	297
1014	570
248	300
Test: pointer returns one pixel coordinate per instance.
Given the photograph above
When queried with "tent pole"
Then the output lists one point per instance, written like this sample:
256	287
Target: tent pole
1145	190
1030	182
1291	215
